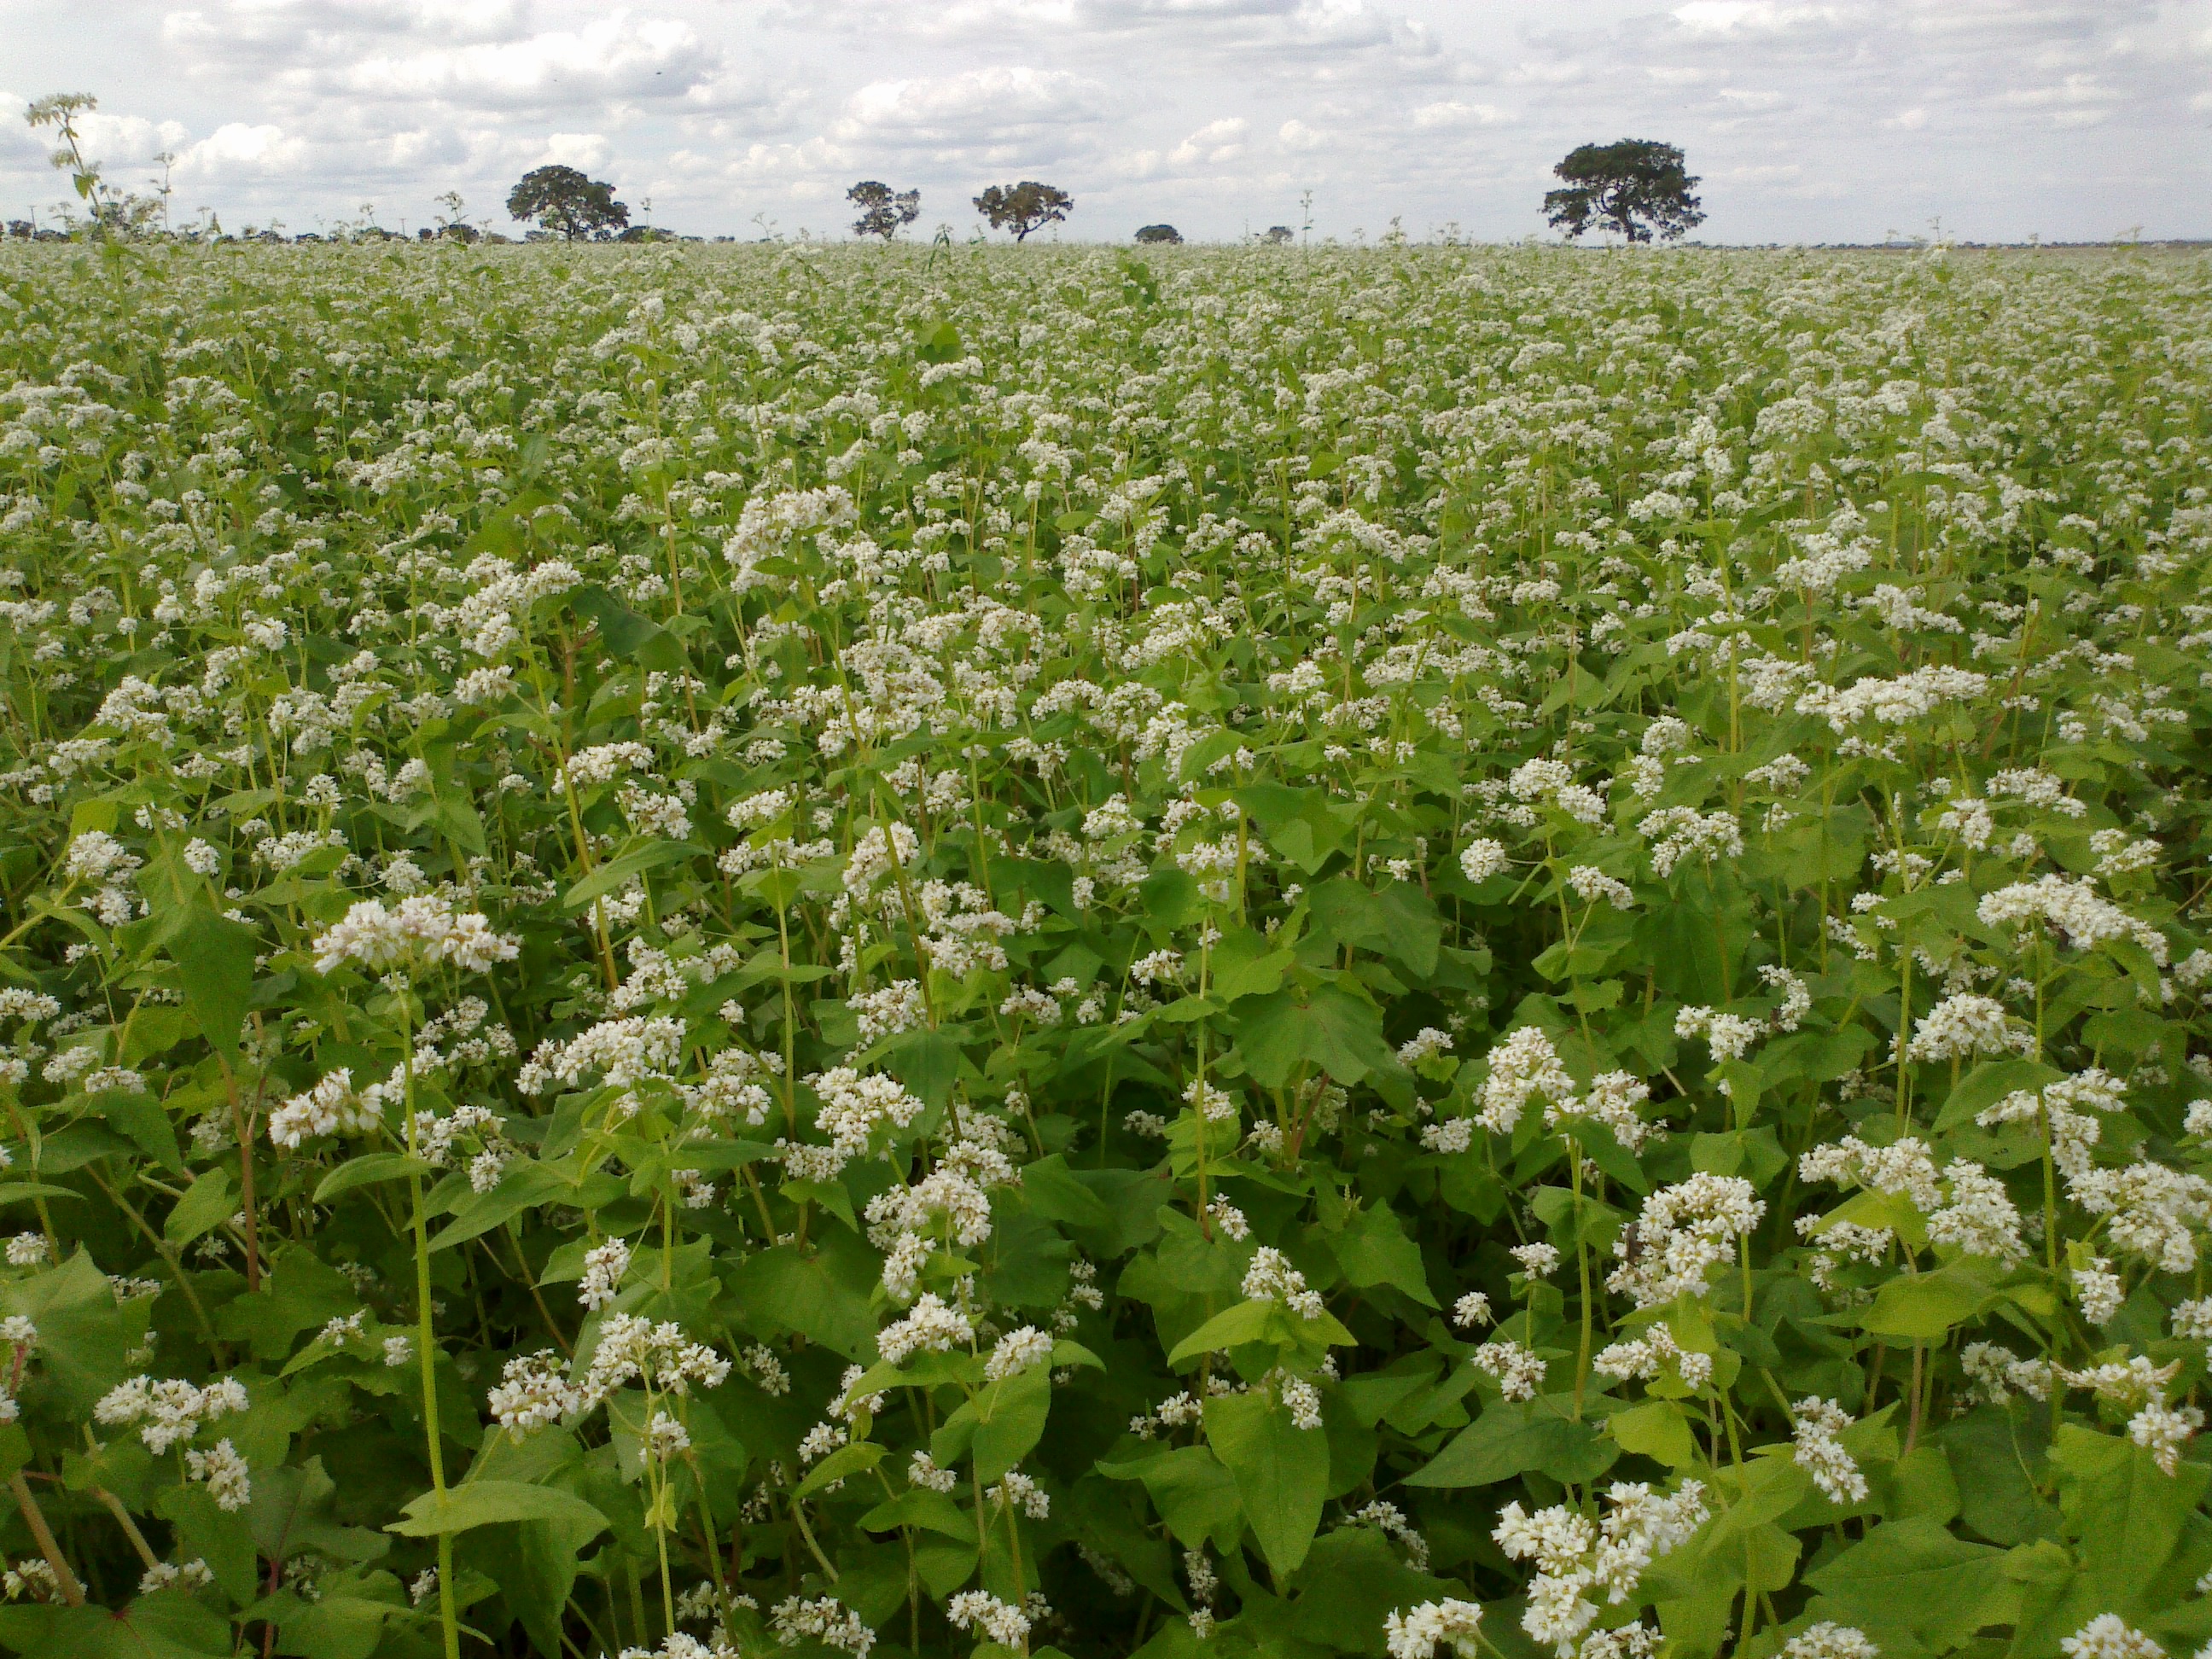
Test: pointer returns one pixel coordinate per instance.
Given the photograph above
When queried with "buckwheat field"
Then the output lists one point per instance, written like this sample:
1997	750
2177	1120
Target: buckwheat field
1414	951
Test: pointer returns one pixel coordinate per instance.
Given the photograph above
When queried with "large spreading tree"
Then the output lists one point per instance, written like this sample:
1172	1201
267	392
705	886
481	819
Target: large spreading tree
562	199
1636	186
1024	207
884	212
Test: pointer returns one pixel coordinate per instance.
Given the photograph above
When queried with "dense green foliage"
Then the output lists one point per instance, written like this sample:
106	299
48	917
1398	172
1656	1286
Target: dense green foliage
1251	953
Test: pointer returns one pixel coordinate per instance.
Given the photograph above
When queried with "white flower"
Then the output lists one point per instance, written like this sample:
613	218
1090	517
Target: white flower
2100	1291
225	1473
2110	1637
929	1326
1519	1372
422	930
331	1108
1481	859
1683	1233
168	1409
1677	833
824	1619
2162	1430
853	1107
1965	1026
533	1393
605	1267
1017	1352
1007	1625
1418	1632
1828	1640
1821	1455
1271	1279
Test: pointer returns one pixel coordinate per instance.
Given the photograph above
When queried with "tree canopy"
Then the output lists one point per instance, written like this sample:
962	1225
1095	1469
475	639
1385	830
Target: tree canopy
883	212
1636	186
1024	207
562	199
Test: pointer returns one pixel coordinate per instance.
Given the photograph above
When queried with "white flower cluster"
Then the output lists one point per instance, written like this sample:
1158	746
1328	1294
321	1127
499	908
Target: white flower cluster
1815	1422
622	1051
1271	1279
855	1107
824	1619
1651	1355
930	1325
331	1108
1518	1369
1577	1559
224	1474
997	1620
1418	1632
1683	1233
1017	1351
422	932
1964	1026
1681	833
168	1410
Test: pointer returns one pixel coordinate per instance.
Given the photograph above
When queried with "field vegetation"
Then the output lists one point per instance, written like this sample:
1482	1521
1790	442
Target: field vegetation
1281	952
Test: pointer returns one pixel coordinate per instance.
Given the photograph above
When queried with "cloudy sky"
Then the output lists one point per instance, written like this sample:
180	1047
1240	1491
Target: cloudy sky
1812	120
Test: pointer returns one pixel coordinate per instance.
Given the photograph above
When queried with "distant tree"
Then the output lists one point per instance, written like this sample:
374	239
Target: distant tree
883	212
1024	207
1634	185
1279	234
1159	234
562	199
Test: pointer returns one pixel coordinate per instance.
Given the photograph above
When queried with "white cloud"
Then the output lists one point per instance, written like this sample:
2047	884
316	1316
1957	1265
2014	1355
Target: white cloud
1216	143
987	100
1741	17
1809	118
239	146
585	150
614	56
1452	113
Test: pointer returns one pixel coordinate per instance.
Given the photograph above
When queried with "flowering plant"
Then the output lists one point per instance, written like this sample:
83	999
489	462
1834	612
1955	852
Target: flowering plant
1418	952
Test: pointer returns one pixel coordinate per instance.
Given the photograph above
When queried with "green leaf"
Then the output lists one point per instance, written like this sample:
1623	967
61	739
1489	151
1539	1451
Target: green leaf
216	957
486	1502
1989	1083
83	1336
2127	1513
23	1192
1922	1309
1195	1493
1512	1438
1281	1472
920	1507
290	1514
614	872
366	1171
1374	1249
1327	1027
523	1187
1055	1194
206	1205
999	1426
822	1293
1916	1574
627	637
1252	1321
1657	1429
855	1458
